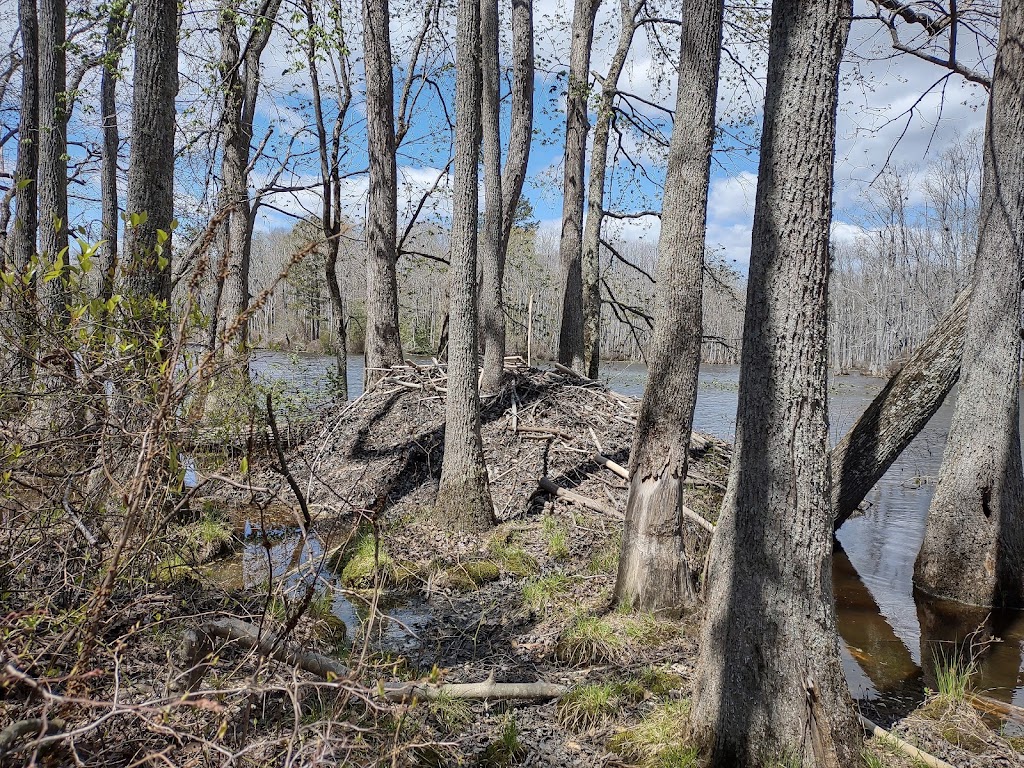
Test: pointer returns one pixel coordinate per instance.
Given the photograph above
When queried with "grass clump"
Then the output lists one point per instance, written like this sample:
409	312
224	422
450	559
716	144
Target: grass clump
660	680
591	640
362	560
606	558
466	577
509	557
450	713
540	592
953	675
507	749
587	706
657	741
555	538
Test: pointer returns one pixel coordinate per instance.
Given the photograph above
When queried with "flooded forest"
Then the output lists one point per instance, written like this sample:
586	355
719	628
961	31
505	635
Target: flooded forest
511	383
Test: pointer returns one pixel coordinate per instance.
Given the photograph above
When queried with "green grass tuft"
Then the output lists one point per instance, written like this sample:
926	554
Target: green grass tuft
555	537
362	560
587	706
450	713
606	558
659	739
540	592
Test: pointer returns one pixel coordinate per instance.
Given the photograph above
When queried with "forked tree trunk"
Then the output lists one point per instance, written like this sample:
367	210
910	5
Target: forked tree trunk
653	572
591	244
383	343
492	257
22	241
53	164
464	496
973	550
570	334
769	678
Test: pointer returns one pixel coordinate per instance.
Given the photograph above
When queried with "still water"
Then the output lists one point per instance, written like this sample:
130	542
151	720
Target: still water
890	634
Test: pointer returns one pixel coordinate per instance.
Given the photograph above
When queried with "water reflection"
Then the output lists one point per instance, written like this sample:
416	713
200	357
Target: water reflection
887	630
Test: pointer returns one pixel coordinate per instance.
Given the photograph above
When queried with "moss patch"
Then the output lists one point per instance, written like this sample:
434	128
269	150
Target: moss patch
466	577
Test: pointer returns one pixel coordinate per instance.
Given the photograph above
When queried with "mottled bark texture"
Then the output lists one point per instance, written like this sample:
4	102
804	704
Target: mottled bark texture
577	125
899	412
770	682
114	42
653	571
492	257
973	550
591	244
464	496
383	343
151	161
53	146
21	243
240	82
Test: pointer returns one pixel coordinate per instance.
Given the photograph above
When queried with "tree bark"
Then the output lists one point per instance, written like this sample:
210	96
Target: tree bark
570	334
898	413
769	678
520	135
464	496
973	550
151	162
653	571
116	36
383	343
53	144
22	241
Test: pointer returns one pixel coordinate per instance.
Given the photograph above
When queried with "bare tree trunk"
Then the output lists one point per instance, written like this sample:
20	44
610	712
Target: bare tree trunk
570	334
653	571
53	144
22	241
464	496
591	246
521	128
492	257
898	413
116	36
383	343
151	162
973	550
770	682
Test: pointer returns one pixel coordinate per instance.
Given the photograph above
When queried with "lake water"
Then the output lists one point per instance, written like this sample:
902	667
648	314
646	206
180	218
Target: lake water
890	634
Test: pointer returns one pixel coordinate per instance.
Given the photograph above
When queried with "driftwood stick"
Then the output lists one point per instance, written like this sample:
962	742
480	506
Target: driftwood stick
597	443
485	690
990	706
699	520
570	372
901	745
584	501
607	463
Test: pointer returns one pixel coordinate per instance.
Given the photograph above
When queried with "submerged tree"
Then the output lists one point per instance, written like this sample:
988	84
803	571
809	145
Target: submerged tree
973	550
653	573
464	495
769	678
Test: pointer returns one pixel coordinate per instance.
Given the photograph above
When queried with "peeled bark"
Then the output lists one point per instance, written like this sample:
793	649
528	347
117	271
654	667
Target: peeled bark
653	571
53	145
492	257
770	682
383	343
591	245
464	495
570	335
151	162
22	241
899	412
973	550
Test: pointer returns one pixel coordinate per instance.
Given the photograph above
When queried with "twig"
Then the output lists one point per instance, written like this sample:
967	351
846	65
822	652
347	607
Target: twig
284	465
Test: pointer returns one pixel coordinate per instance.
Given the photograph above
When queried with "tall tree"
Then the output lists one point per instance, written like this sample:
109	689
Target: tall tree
240	72
973	549
653	572
22	241
383	342
769	678
503	186
464	495
53	146
577	125
150	198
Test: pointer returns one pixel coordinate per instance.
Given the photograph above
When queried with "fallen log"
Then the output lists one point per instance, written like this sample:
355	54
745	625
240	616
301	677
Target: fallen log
485	690
908	749
584	501
607	463
989	706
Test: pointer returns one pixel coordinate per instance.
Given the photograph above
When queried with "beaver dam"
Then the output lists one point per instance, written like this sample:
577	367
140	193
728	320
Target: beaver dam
370	635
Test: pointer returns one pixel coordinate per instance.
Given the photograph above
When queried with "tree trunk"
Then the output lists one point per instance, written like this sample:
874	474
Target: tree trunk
383	343
117	27
22	241
591	247
521	128
492	257
898	413
53	164
570	334
973	550
151	162
769	678
464	496
653	571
